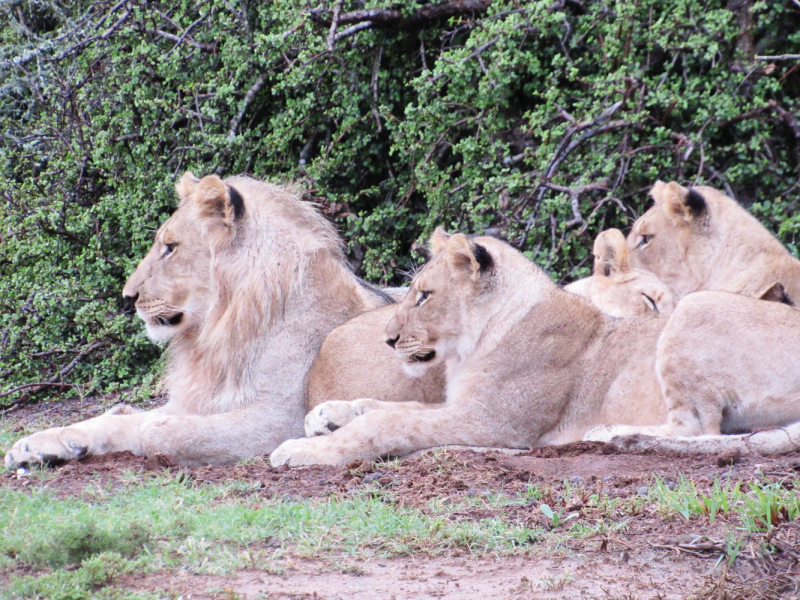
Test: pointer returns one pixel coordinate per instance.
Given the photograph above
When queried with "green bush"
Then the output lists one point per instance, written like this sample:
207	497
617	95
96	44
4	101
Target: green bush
541	122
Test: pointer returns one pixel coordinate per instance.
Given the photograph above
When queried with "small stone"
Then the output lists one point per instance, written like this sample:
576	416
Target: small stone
370	477
22	472
608	478
472	492
729	458
643	491
576	480
670	485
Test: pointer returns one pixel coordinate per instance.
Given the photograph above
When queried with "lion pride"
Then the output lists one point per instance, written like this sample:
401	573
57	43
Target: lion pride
529	364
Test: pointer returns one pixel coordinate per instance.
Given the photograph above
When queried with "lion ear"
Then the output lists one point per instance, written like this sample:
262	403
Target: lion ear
218	203
775	293
186	186
611	254
439	240
682	203
461	256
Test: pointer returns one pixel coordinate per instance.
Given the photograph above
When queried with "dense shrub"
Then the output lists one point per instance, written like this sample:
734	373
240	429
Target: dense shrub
541	122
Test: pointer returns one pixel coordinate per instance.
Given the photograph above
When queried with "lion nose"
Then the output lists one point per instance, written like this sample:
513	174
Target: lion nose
129	304
392	341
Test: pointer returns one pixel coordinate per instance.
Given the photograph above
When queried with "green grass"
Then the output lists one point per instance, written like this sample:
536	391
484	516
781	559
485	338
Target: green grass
163	524
77	548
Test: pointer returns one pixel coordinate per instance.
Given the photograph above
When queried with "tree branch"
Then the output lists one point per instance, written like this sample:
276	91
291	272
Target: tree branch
779	57
248	100
378	17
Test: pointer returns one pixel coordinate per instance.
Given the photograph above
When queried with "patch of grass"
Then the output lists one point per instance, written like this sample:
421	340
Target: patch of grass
758	507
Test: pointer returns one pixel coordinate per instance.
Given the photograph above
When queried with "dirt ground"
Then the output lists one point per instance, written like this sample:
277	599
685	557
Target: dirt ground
644	560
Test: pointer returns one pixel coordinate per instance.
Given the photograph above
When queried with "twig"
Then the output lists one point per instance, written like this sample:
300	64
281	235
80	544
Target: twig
55	380
248	99
334	24
574	194
352	30
378	17
477	52
567	145
779	57
374	87
175	38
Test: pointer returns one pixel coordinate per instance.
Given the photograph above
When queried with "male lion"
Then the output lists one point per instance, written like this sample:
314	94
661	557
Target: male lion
528	364
699	239
619	290
245	281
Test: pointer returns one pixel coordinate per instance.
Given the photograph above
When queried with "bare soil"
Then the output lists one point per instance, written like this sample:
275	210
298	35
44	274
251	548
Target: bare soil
641	561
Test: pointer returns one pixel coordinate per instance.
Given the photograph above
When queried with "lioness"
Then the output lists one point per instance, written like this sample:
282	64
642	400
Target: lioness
699	239
727	364
245	281
619	290
527	363
354	361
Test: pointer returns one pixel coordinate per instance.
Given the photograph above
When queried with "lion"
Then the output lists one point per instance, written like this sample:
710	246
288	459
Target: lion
727	363
529	364
354	362
244	281
697	239
526	363
619	290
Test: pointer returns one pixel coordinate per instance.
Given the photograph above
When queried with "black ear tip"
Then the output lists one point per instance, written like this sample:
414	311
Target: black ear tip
695	202
483	257
237	202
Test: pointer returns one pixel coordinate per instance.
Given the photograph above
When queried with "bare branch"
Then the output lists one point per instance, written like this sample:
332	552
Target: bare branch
378	17
175	38
248	100
352	30
334	24
779	57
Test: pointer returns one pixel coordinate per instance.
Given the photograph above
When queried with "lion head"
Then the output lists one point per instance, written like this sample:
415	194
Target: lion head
428	325
699	239
171	289
241	267
619	290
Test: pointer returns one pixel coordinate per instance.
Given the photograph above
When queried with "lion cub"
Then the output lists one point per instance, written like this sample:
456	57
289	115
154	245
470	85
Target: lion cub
619	290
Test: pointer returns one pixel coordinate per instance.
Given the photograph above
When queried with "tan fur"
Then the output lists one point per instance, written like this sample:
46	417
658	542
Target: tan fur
526	363
619	290
727	364
724	248
355	362
256	296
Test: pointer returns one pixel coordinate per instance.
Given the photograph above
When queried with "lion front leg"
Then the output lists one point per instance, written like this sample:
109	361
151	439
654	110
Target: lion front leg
392	433
115	430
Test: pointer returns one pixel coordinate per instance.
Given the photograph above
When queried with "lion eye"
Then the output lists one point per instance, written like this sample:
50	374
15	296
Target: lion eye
645	240
423	296
651	304
169	249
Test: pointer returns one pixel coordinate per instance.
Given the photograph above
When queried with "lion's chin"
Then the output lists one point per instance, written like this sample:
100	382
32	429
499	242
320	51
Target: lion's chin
161	329
415	365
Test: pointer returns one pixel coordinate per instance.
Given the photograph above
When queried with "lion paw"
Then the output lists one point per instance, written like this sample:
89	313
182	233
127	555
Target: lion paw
330	416
599	433
47	447
304	451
